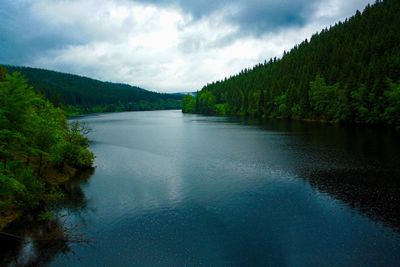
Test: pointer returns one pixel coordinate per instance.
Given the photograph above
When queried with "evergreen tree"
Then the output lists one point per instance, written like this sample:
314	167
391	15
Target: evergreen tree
347	73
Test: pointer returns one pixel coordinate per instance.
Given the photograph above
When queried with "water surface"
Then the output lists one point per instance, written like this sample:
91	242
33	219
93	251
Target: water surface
188	190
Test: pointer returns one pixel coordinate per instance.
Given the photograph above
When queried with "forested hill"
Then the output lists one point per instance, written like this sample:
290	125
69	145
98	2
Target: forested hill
347	73
82	94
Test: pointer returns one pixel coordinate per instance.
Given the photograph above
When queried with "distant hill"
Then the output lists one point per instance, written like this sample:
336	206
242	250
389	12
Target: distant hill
187	93
348	73
82	94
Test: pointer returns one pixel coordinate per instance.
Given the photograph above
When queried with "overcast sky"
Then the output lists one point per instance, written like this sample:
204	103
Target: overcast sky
160	45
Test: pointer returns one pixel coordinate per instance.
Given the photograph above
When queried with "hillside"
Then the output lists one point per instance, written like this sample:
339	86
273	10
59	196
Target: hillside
82	94
348	73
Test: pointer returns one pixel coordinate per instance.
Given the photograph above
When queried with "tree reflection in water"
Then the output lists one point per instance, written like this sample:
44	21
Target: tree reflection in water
374	193
33	242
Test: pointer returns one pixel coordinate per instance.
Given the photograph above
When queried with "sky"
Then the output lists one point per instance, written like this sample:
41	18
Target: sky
160	45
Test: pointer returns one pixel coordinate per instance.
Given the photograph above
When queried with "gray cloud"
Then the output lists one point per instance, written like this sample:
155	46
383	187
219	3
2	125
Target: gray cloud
24	35
169	45
252	16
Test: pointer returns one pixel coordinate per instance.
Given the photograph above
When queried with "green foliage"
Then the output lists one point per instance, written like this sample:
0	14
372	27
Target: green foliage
360	104
206	101
34	189
3	72
34	137
10	187
46	216
323	98
221	109
296	112
254	103
188	104
392	111
339	75
281	109
73	150
81	95
24	190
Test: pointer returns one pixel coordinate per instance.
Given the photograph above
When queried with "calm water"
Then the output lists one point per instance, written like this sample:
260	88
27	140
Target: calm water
186	190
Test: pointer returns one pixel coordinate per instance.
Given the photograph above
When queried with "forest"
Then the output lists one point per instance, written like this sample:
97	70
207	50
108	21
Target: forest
349	73
79	95
39	151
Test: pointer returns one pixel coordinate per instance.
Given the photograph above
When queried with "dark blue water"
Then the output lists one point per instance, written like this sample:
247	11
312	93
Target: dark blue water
187	190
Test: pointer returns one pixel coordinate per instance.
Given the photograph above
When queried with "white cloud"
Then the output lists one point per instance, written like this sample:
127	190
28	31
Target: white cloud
163	48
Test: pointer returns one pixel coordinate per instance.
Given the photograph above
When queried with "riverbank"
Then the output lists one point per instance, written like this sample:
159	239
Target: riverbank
33	240
40	150
394	127
54	177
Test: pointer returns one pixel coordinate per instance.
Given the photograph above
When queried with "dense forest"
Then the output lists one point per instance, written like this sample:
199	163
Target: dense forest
348	73
39	151
84	95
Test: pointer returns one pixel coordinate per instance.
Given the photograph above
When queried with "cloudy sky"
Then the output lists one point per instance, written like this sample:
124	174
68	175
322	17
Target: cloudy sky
161	45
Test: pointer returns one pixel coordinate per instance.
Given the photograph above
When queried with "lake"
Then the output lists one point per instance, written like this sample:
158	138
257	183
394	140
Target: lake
172	189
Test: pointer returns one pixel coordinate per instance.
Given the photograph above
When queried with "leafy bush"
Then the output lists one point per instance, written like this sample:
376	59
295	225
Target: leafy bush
34	136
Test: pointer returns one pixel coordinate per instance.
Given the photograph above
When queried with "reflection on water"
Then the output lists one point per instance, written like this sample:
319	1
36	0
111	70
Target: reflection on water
37	243
35	250
187	190
358	165
372	192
